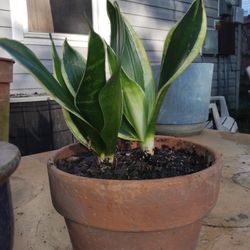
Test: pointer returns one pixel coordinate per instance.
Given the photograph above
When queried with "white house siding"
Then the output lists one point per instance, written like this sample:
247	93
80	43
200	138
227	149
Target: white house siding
151	19
5	22
23	83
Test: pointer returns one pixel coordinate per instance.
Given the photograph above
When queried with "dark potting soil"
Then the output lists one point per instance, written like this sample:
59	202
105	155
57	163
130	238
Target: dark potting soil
136	165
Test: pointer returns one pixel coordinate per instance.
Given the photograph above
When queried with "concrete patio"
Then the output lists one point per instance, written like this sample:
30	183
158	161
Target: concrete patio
39	227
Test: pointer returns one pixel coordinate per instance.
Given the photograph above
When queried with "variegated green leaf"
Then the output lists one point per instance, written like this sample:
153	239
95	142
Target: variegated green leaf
87	96
110	99
57	72
73	67
84	133
133	97
182	45
72	123
127	132
134	59
134	105
149	83
117	27
29	60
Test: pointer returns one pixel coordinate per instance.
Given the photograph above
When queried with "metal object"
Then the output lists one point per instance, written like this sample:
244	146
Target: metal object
210	46
185	108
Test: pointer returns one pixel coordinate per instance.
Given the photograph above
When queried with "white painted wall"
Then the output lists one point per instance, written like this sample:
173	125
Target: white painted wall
5	22
14	24
151	19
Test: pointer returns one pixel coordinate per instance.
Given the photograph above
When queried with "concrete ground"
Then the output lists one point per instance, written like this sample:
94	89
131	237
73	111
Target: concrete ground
39	227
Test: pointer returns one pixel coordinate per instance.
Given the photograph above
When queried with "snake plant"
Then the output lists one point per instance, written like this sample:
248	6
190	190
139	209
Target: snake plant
98	109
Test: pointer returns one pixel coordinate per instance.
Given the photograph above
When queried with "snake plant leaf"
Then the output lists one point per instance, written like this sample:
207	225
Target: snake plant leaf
130	59
28	59
110	99
77	126
134	104
149	83
57	72
84	133
135	62
115	23
74	127
182	45
133	97
127	132
73	67
87	96
111	96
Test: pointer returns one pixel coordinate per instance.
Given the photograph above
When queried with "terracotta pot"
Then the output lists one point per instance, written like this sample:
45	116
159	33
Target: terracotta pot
135	214
6	77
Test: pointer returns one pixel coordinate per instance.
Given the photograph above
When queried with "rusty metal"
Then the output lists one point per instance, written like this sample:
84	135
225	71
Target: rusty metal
129	214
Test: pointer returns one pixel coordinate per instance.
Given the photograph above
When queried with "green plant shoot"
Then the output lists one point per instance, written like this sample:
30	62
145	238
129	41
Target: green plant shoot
97	109
141	101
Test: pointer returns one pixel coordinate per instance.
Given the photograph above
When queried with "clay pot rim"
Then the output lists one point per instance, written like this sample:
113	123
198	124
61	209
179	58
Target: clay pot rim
210	170
7	60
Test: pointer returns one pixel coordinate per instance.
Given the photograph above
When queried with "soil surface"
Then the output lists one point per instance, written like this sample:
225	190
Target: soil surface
136	165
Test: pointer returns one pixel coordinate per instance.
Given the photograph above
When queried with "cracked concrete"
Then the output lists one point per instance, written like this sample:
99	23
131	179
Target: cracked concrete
40	227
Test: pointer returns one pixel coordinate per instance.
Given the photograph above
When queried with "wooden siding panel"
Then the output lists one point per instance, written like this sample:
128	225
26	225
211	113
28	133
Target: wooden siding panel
5	20
155	57
19	69
149	22
44	54
154	34
213	4
24	81
153	45
5	32
5	23
148	11
4	5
